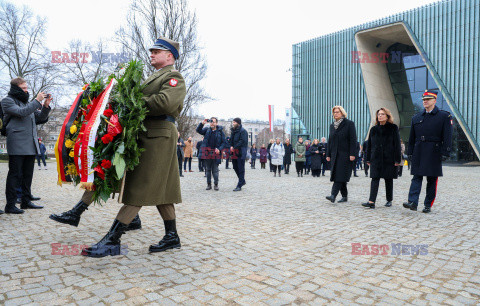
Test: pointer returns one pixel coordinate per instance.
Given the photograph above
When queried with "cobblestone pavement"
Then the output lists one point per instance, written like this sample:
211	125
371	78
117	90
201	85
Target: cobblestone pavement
278	241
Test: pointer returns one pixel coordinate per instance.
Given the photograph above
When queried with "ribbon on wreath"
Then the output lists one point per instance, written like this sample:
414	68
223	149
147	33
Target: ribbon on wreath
89	136
61	151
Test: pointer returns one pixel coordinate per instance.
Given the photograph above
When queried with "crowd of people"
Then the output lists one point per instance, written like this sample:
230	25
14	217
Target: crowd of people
155	181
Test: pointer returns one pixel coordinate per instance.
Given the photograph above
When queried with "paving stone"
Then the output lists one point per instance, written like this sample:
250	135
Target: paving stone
231	255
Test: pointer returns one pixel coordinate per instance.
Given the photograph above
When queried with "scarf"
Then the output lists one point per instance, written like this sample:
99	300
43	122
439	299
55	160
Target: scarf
337	123
18	93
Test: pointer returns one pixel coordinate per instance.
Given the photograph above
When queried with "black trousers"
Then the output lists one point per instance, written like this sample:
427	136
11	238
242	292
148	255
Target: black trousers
200	164
287	168
299	166
324	165
366	167
20	173
180	162
340	186
316	172
226	162
239	167
253	163
374	189
42	158
416	187
277	168
400	170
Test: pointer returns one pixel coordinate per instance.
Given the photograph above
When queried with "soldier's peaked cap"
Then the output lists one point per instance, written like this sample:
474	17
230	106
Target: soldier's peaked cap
163	43
429	94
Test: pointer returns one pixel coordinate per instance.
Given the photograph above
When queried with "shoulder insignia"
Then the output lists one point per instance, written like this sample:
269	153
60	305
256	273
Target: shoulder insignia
173	82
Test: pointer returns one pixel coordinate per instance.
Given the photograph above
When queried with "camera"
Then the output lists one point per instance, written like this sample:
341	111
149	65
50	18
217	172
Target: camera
209	120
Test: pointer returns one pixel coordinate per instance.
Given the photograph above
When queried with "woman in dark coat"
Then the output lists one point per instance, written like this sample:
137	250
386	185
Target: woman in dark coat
341	148
383	155
253	153
316	158
263	156
287	159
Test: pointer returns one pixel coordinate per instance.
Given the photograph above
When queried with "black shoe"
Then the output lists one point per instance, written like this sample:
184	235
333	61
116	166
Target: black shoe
209	187
1	212
32	198
215	187
426	210
110	243
369	205
72	216
410	205
237	188
136	224
298	174
343	199
181	175
388	204
331	198
355	175
301	174
13	210
169	241
30	205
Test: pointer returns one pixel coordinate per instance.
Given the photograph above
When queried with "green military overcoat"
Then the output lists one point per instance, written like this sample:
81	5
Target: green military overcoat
156	179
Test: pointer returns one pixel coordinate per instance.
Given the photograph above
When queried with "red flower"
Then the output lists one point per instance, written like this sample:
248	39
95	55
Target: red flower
108	112
100	172
106	164
114	128
107	138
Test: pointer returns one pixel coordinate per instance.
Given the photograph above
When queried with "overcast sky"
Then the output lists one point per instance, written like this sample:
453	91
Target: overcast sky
248	43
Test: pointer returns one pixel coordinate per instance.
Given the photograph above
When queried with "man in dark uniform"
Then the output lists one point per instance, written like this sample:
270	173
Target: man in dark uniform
429	144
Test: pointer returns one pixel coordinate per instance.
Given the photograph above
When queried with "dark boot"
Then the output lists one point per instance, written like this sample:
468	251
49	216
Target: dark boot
215	187
30	205
410	205
279	173
1	212
12	209
301	174
331	198
388	204
170	240
110	243
343	199
209	187
275	174
135	224
369	205
72	216
426	210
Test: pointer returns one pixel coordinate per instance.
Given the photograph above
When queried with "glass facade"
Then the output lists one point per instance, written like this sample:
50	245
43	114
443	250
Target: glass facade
446	36
409	78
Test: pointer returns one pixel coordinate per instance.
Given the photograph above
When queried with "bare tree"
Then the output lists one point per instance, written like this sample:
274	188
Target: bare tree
81	69
264	136
22	52
150	19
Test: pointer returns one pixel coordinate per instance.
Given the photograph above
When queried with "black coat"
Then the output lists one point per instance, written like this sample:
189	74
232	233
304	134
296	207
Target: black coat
383	151
316	158
287	159
239	142
219	141
430	138
342	144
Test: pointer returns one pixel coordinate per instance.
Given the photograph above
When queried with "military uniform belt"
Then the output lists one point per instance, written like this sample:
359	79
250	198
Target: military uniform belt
162	117
429	139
